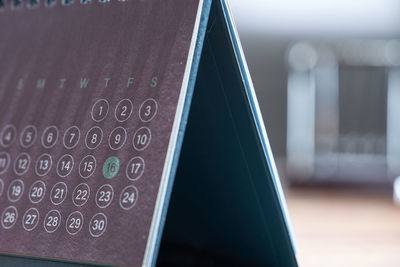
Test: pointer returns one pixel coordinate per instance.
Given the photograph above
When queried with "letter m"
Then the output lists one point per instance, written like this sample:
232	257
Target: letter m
40	83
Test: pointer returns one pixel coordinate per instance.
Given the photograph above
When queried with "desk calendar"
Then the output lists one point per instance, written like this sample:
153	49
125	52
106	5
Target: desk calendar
130	135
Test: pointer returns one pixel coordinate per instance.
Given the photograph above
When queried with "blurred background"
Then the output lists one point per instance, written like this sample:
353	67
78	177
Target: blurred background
327	76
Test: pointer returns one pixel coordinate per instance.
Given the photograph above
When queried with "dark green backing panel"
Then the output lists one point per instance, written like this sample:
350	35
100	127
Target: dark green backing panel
224	208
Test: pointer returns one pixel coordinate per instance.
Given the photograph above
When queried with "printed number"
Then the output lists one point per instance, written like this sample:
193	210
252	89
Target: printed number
135	167
128	198
3	162
59	193
98	225
94	137
93	140
72	137
22	164
81	194
28	137
65	165
16	190
37	192
9	217
124	110
141	139
105	196
111	167
75	223
52	221
148	111
50	137
30	219
44	164
8	137
117	139
88	166
100	107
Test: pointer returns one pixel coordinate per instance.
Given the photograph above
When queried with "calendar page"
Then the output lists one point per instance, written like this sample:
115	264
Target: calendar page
89	92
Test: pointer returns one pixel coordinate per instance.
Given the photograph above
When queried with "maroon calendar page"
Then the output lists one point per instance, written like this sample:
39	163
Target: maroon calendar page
89	92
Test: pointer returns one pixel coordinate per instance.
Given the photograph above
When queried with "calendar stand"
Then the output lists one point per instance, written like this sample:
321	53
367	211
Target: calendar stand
114	152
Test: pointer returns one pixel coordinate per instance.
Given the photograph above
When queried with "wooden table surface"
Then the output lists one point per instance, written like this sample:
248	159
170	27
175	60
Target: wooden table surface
337	227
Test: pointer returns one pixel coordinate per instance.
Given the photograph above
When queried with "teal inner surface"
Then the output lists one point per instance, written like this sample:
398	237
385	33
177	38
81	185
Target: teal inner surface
224	207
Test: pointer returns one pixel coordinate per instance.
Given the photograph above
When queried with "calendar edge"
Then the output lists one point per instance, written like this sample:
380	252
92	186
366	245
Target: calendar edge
177	135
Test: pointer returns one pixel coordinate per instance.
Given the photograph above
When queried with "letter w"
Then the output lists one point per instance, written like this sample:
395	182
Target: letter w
84	82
